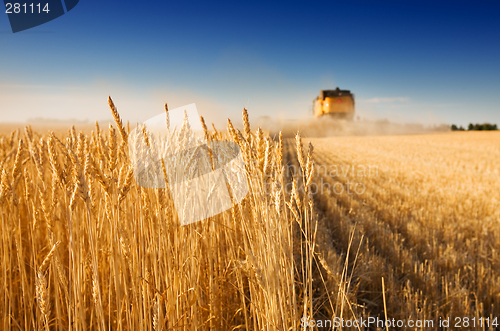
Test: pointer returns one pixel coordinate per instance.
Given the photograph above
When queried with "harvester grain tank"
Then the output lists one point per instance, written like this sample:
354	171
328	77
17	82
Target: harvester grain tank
335	103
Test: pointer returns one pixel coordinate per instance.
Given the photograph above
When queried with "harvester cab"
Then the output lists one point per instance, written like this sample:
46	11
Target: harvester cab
336	103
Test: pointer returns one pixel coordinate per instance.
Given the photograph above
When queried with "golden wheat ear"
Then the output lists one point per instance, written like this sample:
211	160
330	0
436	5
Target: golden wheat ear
167	117
118	120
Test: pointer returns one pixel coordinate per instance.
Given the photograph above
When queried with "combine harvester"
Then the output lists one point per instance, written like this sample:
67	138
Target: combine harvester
335	103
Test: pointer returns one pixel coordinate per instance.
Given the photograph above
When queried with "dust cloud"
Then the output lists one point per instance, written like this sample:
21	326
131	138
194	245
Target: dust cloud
327	126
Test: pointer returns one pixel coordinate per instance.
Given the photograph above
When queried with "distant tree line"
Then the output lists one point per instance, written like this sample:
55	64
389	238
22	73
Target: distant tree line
476	127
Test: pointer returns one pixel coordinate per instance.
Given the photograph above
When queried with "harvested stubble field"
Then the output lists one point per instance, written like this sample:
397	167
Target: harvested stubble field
83	247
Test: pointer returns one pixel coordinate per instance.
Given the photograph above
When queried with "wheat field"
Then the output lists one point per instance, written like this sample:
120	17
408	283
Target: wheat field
343	227
83	247
422	212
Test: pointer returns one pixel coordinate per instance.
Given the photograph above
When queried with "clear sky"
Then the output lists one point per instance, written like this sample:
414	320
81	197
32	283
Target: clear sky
415	61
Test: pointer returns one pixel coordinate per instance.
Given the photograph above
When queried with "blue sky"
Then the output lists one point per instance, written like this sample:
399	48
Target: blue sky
410	61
